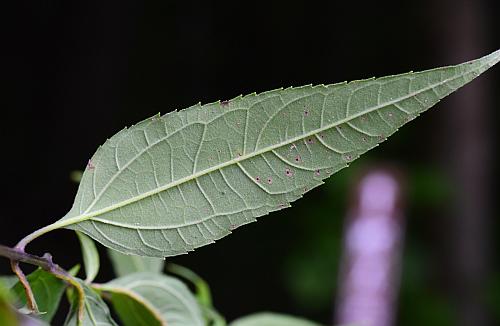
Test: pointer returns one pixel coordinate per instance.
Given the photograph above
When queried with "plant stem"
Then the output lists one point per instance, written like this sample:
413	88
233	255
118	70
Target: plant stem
17	255
30	298
30	237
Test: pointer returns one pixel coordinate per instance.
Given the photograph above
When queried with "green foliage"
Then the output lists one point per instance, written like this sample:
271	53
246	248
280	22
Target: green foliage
202	292
47	289
8	316
8	281
128	264
90	256
271	319
96	312
176	182
153	297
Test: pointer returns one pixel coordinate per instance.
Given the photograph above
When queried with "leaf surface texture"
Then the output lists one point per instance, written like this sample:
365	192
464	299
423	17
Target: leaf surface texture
154	299
176	182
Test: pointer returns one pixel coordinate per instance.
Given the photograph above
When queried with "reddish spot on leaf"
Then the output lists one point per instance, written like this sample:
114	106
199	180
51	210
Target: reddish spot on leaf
224	103
269	180
310	140
297	158
288	172
317	173
348	157
90	165
257	179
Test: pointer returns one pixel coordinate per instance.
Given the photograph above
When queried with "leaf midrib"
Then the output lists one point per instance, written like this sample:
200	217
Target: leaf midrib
86	216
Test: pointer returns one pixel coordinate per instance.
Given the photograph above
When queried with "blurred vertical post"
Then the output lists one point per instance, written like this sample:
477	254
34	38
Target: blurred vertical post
371	262
464	145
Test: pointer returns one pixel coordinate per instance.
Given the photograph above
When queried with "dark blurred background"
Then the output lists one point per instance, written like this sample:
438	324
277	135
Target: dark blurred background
76	72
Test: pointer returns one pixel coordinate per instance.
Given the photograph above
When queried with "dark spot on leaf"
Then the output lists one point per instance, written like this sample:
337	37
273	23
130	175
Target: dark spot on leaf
288	172
90	165
257	179
297	158
310	140
224	103
317	173
269	180
306	113
348	157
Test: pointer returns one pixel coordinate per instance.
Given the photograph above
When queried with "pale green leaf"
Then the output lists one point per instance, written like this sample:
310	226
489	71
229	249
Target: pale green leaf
8	316
96	312
90	256
47	290
8	281
155	298
203	293
173	183
271	319
128	264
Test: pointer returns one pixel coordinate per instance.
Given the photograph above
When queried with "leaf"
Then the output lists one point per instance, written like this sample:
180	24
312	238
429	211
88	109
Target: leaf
90	256
8	316
180	181
8	281
271	319
128	264
96	312
153	299
203	293
47	290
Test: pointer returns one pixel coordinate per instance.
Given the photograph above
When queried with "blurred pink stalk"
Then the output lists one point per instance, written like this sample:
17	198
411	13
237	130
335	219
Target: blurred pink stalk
370	267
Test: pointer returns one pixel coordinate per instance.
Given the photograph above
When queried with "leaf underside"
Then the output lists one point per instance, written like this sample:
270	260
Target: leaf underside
96	312
128	264
176	182
90	256
155	298
271	319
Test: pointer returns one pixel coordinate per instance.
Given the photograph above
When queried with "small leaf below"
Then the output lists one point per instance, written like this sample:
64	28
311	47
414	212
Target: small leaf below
155	298
90	256
271	319
128	264
96	311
